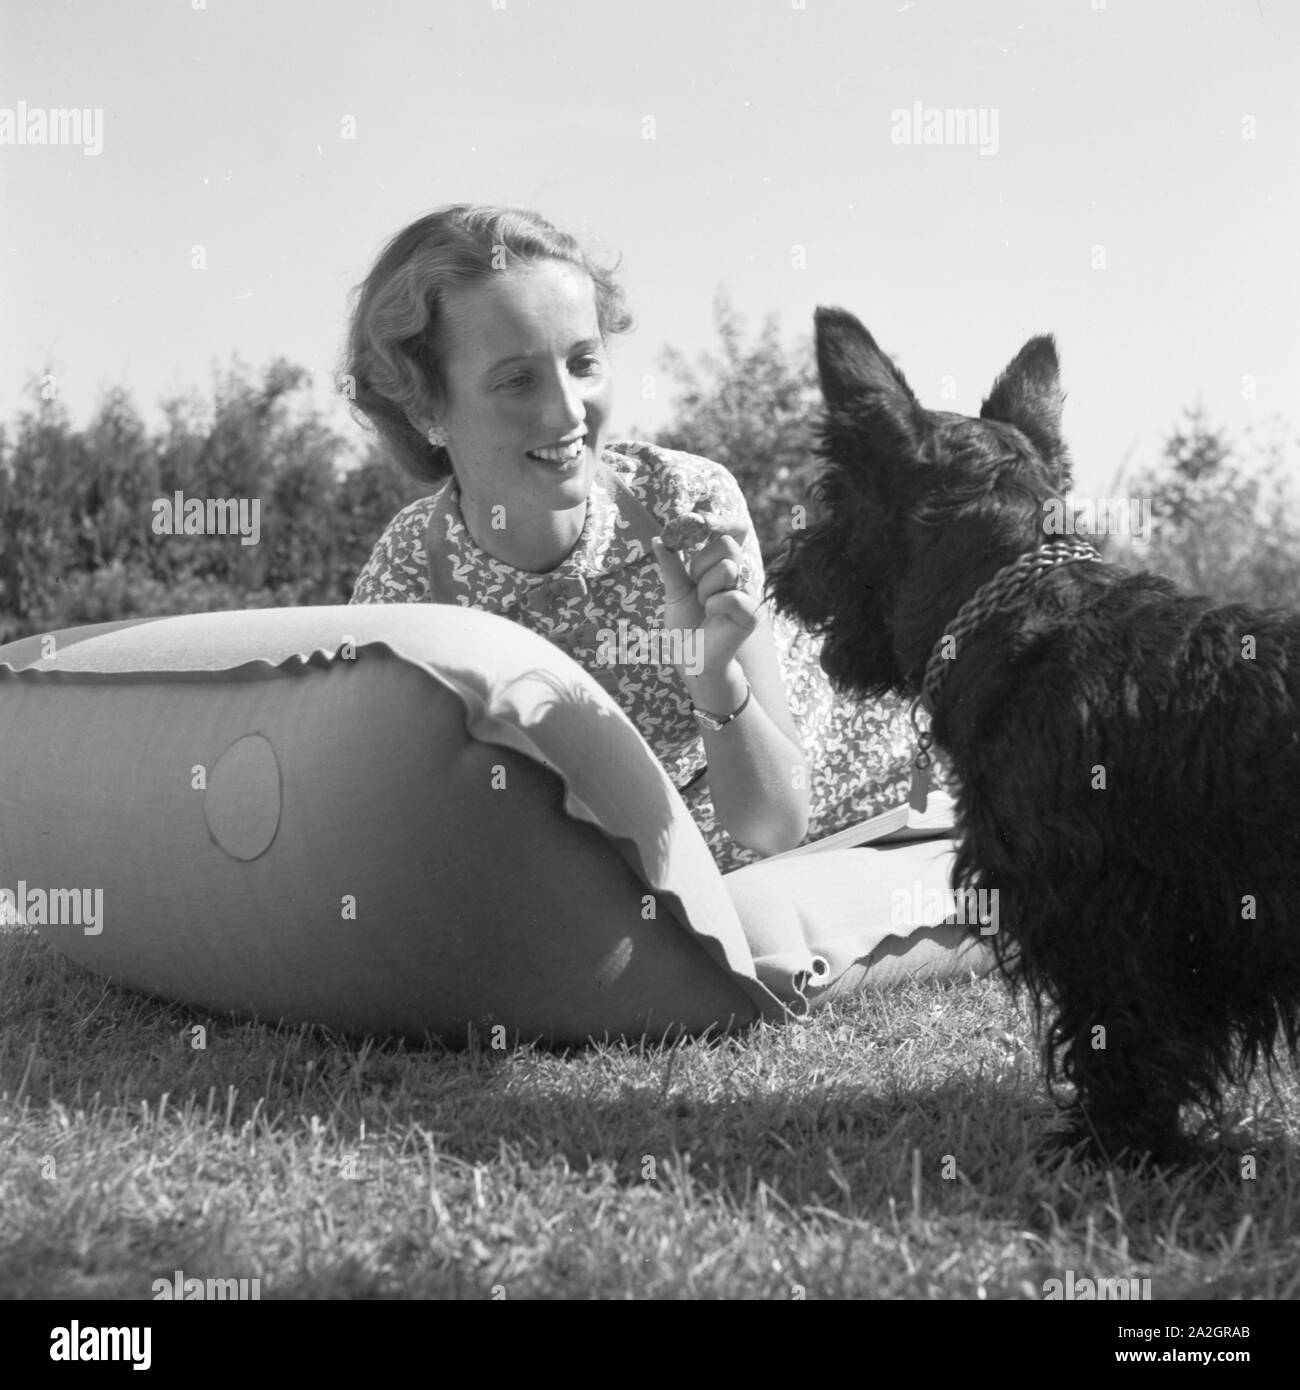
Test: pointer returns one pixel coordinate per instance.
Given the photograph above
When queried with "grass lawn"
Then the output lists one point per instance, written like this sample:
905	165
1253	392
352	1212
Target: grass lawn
885	1149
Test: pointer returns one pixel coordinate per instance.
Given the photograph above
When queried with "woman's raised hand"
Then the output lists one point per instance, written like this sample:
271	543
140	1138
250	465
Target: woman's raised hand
710	592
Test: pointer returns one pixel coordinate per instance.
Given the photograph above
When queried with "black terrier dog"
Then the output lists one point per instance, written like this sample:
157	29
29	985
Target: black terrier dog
1127	757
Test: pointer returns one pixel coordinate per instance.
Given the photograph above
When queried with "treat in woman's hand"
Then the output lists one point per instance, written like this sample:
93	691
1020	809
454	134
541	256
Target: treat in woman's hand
693	529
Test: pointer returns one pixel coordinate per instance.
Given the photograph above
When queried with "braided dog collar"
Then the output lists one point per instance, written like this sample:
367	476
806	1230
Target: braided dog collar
1005	584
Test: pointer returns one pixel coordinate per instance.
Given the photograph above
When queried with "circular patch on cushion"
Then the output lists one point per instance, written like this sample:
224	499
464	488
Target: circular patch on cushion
242	804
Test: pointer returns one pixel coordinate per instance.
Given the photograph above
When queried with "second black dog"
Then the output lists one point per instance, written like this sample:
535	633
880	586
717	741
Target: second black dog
1128	757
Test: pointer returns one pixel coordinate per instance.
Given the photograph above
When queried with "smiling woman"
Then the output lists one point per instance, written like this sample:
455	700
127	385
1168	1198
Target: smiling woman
480	343
392	356
527	427
479	349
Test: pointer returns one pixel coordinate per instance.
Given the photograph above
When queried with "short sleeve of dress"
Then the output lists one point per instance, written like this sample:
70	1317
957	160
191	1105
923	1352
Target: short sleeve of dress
673	484
397	571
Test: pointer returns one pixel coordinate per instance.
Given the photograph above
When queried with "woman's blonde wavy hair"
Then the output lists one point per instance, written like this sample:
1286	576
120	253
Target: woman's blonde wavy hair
392	354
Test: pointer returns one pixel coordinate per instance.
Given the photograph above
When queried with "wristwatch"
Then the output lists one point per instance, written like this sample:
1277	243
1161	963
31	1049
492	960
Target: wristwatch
720	721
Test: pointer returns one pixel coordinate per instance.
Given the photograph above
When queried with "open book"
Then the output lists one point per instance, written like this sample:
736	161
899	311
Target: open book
892	826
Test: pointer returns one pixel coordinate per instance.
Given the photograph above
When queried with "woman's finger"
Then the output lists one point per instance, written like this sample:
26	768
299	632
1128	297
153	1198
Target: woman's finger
677	582
717	579
734	604
718	547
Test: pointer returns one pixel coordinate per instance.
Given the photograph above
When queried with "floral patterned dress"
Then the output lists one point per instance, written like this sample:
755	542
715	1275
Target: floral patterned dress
603	604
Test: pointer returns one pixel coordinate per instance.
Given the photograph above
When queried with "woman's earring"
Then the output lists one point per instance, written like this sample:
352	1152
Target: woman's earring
437	436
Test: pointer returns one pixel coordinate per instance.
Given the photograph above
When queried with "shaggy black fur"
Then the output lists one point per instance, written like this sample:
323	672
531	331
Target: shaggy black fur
1128	757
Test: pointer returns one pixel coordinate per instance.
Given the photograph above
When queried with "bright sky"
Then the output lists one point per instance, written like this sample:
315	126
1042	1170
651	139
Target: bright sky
1134	188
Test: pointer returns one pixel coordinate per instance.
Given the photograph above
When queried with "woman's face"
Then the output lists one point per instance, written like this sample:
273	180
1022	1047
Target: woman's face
525	370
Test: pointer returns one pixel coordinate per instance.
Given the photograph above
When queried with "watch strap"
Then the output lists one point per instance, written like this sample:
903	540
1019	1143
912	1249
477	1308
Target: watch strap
720	721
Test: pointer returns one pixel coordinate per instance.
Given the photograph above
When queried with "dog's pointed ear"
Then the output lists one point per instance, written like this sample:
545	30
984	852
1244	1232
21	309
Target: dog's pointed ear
861	384
1028	395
